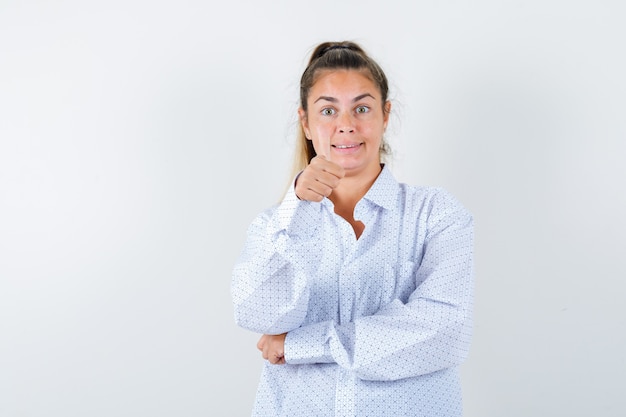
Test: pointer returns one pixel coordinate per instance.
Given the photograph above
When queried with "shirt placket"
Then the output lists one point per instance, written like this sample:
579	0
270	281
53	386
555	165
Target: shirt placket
345	394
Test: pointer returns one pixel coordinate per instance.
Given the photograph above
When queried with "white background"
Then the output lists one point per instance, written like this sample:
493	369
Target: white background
139	138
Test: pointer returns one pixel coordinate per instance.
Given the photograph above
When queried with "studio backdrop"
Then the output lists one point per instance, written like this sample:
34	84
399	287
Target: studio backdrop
138	139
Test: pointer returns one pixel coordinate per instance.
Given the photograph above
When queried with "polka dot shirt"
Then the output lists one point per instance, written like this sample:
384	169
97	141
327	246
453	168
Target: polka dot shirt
377	326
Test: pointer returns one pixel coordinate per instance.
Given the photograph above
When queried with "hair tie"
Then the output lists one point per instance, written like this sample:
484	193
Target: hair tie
330	48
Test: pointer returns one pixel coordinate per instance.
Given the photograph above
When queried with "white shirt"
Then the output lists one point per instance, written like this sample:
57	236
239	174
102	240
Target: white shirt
376	326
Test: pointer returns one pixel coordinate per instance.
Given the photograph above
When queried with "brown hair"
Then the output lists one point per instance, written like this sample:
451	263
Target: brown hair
330	56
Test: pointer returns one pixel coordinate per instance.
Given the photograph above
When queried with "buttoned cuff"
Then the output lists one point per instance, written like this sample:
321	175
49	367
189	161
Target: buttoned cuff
308	344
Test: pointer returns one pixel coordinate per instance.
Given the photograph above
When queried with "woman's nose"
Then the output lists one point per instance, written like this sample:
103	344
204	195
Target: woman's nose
345	123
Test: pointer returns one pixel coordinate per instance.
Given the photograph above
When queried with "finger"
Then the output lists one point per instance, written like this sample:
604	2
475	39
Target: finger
317	191
325	171
261	343
320	184
324	145
276	357
325	165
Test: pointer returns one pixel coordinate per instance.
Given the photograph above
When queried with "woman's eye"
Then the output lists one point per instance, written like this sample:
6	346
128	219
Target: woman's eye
362	109
328	112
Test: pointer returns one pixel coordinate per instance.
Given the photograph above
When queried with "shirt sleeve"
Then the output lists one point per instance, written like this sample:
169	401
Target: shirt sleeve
269	291
430	332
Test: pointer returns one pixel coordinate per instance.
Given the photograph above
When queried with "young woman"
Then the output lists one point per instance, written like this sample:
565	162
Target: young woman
360	285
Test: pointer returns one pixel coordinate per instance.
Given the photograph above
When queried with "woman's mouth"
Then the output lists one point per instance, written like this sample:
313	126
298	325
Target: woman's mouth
351	146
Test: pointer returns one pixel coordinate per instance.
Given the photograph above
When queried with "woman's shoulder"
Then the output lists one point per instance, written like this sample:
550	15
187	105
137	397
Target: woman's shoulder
434	201
427	192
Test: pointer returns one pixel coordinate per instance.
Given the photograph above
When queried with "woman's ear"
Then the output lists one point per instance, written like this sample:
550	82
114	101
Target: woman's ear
304	122
386	112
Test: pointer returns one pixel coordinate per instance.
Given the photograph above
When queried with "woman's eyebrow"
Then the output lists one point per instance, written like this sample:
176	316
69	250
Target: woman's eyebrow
334	100
362	96
331	99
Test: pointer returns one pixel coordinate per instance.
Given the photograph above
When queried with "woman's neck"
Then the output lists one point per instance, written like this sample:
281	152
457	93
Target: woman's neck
350	191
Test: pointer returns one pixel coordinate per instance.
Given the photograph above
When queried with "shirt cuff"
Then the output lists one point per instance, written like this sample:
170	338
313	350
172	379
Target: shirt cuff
308	344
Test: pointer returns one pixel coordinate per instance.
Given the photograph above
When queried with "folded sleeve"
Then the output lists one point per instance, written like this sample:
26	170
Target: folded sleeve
269	286
429	332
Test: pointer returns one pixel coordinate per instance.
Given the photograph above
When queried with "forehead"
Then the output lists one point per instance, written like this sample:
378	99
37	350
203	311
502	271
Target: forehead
343	81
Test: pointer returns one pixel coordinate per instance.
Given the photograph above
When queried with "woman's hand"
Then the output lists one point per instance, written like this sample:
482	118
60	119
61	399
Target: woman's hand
319	179
273	348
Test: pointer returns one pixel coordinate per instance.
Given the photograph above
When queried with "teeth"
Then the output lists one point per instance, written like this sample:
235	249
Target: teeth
345	146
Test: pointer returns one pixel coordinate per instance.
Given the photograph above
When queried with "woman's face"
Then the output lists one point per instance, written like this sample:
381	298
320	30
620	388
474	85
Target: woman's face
345	120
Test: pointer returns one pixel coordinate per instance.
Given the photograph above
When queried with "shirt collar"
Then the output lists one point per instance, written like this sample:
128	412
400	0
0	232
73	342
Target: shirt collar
384	191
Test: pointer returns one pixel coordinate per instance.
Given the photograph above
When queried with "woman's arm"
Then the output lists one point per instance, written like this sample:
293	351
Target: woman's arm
429	332
269	286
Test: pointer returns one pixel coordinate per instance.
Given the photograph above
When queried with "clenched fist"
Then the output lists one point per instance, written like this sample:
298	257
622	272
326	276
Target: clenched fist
272	348
319	179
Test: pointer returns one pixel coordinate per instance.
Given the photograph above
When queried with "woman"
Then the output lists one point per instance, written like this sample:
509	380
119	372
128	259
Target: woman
360	285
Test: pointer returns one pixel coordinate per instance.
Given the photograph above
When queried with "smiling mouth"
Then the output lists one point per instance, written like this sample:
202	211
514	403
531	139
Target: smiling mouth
346	146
